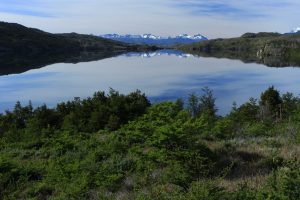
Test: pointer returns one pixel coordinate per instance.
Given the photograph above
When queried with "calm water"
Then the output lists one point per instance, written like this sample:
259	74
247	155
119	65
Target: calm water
161	76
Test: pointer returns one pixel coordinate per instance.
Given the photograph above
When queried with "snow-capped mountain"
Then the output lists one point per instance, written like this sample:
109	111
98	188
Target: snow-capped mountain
150	36
296	30
199	36
151	39
195	37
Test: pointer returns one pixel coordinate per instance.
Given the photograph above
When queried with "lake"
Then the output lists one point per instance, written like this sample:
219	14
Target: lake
163	75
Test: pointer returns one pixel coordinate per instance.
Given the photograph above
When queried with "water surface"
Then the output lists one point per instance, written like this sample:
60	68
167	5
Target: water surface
161	75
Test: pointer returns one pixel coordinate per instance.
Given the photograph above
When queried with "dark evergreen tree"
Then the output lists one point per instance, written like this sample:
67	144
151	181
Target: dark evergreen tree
207	102
270	100
193	105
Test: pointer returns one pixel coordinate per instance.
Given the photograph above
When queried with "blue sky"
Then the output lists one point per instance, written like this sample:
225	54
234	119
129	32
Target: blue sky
213	18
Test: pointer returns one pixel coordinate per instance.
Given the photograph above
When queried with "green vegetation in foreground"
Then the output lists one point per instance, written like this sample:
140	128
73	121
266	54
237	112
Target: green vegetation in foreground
272	49
112	146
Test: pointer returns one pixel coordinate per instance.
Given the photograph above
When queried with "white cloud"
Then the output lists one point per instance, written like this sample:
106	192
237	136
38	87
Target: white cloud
218	18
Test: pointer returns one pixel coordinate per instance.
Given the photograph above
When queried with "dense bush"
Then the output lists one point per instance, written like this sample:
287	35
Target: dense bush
120	147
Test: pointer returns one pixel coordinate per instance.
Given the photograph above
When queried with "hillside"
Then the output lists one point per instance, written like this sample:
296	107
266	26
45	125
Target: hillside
23	48
15	38
272	49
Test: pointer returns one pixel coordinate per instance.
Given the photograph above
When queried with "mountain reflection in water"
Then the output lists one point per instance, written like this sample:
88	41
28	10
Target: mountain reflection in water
162	75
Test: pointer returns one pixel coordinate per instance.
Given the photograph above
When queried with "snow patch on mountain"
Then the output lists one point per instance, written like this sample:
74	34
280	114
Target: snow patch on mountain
150	39
153	37
296	30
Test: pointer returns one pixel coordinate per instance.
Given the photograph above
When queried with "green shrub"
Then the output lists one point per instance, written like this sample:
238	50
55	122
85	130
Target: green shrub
256	129
243	192
284	183
206	190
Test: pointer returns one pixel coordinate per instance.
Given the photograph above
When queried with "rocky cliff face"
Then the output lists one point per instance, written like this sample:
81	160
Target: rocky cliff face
279	48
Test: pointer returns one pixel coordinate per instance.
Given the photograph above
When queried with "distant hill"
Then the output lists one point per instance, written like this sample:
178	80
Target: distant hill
149	39
15	38
272	49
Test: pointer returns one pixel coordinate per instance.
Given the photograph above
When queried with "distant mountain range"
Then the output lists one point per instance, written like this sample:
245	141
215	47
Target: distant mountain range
149	39
296	30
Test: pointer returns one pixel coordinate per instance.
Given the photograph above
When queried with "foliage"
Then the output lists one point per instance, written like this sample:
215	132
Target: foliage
114	146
